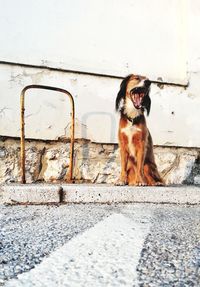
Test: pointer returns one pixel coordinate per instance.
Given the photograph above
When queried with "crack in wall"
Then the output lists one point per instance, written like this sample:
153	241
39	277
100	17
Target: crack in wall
2	111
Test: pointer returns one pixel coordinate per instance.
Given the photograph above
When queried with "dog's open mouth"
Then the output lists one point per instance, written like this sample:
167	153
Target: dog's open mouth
137	96
137	100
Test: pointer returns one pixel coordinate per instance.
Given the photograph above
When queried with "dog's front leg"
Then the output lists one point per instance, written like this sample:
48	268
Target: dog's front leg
140	151
124	161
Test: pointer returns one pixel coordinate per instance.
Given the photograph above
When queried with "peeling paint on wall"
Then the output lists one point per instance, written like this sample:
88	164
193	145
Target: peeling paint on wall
173	113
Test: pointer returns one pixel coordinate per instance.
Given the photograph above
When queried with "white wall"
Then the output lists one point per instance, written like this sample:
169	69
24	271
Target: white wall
68	35
103	36
173	119
47	113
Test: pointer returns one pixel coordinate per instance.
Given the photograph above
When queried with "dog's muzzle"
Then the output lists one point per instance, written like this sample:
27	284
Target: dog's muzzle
138	94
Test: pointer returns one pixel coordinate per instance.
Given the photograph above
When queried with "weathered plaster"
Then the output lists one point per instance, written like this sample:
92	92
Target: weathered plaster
173	119
172	53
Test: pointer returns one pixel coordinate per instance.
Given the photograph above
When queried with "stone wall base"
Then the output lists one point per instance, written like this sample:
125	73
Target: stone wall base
93	162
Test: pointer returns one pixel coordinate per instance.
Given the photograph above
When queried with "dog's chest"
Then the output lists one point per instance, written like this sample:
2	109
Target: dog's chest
130	131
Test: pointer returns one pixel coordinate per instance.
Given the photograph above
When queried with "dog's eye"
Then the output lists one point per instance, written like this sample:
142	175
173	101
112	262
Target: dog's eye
137	78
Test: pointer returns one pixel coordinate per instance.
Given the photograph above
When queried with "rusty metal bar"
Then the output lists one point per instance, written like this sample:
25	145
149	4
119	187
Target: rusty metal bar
68	176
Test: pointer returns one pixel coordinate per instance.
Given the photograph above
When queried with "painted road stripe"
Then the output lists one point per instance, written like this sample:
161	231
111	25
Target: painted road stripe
105	255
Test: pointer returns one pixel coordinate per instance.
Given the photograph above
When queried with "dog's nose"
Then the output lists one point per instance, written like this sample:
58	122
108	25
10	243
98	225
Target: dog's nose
147	83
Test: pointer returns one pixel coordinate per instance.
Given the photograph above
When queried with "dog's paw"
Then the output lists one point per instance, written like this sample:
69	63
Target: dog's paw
141	183
120	183
159	183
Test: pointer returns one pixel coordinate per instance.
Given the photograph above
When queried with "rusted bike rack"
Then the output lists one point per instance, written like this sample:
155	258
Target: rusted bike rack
69	176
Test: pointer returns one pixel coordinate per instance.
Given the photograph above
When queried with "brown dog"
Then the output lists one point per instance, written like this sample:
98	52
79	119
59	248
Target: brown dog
138	165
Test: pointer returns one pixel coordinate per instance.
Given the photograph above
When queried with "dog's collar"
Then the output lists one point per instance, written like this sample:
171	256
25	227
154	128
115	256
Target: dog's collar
136	120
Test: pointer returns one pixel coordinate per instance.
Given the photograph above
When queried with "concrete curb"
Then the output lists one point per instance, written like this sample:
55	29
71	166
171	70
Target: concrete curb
85	193
30	194
109	194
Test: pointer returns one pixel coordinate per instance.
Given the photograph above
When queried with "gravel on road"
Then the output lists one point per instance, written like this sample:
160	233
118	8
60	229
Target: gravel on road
170	255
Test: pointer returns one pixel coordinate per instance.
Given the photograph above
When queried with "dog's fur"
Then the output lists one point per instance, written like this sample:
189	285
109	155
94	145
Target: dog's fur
138	165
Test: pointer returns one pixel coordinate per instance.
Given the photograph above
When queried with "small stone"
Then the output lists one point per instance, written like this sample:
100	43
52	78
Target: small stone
197	179
1	281
2	152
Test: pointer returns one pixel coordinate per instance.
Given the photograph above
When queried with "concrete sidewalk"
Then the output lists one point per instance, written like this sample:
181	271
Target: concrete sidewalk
89	193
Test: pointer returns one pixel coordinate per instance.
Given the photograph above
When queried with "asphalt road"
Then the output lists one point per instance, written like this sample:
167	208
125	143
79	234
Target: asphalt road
100	245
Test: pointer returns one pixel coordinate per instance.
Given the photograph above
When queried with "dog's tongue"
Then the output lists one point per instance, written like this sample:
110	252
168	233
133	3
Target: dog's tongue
137	99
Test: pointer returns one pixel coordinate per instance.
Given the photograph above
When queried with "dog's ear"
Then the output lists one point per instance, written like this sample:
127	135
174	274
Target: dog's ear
122	92
147	103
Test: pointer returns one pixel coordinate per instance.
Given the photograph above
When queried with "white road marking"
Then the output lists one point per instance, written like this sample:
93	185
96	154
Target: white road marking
105	255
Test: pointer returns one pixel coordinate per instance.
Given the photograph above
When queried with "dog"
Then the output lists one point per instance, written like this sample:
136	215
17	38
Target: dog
138	165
